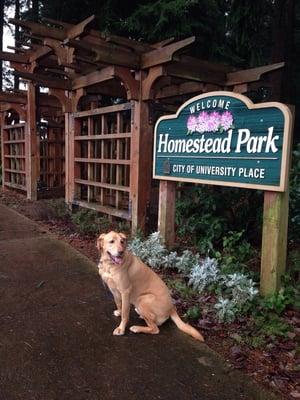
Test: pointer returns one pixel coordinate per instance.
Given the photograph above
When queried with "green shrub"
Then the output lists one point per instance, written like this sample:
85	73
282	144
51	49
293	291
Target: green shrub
193	312
294	220
89	222
60	209
181	288
214	217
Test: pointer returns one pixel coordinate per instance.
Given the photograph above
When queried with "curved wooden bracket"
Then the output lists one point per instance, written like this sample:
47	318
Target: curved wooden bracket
76	97
65	101
65	55
131	85
32	67
147	84
19	108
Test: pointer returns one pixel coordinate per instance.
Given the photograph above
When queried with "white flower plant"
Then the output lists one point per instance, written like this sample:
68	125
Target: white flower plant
234	292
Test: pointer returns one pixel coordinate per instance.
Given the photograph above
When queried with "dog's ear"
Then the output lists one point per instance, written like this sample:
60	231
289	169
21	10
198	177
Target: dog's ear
100	240
123	236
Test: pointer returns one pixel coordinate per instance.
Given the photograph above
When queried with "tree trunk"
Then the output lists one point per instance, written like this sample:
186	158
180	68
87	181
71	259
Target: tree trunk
17	37
35	10
1	40
283	49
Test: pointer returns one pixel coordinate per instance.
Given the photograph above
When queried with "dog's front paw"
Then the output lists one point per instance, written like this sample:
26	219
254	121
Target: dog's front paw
119	331
117	313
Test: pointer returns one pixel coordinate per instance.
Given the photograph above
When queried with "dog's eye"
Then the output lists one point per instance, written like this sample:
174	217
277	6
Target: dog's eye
111	241
122	241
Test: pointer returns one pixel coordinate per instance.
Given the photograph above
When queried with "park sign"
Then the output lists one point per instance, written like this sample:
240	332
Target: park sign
222	138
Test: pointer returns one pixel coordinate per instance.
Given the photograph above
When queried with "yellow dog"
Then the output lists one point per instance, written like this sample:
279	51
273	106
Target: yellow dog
132	282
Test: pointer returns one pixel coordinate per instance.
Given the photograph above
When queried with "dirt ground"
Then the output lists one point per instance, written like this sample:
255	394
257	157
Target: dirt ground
272	369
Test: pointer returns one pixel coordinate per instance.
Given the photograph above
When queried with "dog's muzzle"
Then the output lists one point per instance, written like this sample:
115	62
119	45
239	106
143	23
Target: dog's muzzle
116	259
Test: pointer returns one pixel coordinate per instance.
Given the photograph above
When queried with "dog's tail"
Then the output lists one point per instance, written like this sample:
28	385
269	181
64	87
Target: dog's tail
185	327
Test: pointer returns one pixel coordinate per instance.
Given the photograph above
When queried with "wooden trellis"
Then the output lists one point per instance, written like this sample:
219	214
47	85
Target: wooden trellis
102	159
51	156
18	142
14	156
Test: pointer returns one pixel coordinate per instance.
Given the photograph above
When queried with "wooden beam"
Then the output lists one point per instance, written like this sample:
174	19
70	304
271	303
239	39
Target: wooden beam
58	71
17	49
110	88
26	44
45	81
41	52
9	97
107	53
33	37
250	75
93	78
164	54
21	98
103	209
40	29
103	110
18	58
78	29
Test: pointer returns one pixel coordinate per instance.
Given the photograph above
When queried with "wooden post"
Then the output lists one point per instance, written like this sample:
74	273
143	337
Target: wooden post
70	164
2	138
141	164
67	152
32	167
166	212
274	241
275	229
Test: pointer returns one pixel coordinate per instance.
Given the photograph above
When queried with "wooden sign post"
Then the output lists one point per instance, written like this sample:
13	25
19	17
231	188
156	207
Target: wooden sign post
222	138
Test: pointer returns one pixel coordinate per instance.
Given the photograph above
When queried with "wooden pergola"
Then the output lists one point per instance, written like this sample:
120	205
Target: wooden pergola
49	137
107	91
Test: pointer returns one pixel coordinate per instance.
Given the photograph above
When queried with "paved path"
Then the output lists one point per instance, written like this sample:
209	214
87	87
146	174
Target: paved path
56	338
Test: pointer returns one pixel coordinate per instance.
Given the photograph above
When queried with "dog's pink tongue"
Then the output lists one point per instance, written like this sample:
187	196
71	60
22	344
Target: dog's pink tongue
117	260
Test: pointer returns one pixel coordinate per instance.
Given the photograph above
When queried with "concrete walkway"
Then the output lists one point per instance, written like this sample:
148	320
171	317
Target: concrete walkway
56	339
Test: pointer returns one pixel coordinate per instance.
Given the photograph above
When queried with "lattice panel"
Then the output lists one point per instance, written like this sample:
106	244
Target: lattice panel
102	158
14	156
52	156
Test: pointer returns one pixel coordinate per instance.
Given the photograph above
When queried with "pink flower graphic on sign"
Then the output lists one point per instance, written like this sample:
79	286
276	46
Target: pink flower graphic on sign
210	122
226	120
192	123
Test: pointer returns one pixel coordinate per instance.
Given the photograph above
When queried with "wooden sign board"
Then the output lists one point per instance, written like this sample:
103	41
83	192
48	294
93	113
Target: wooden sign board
222	138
